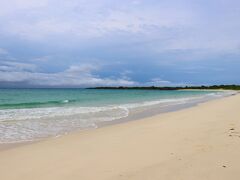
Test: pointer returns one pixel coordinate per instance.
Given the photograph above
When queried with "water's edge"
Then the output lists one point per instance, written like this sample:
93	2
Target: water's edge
133	116
157	111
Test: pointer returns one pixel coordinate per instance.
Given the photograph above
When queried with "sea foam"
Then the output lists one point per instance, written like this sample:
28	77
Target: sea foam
29	124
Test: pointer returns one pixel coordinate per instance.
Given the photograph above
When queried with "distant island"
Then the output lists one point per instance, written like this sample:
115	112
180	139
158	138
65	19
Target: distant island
214	87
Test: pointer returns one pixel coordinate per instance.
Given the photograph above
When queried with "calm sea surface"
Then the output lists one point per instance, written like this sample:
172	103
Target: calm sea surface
29	114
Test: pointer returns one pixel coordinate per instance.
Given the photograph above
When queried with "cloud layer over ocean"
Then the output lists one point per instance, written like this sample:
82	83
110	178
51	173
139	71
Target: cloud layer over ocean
80	43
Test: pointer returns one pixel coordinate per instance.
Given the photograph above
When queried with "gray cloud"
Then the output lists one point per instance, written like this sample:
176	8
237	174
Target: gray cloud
3	51
211	25
132	40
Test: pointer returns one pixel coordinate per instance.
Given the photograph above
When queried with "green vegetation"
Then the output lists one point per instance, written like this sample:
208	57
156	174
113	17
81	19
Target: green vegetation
224	87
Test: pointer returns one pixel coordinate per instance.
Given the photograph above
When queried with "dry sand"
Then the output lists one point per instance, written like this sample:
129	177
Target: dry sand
198	143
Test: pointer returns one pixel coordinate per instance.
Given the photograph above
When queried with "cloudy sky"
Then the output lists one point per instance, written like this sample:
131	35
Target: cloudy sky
81	43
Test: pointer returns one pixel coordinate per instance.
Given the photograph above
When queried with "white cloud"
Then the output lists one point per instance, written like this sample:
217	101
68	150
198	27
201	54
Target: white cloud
159	82
74	76
42	59
86	19
10	66
12	6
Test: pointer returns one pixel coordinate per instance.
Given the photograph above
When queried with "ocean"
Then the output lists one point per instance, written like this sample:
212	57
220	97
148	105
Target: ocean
32	114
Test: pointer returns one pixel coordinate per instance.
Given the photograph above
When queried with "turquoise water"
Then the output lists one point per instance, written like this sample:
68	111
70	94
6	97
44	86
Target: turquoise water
36	98
28	114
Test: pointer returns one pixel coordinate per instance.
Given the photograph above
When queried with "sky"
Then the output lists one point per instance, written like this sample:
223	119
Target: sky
88	43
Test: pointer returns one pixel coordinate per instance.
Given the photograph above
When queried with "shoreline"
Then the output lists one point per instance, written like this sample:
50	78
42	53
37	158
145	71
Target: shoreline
154	111
201	142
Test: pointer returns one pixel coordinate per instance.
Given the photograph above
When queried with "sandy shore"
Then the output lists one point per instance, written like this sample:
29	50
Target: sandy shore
198	143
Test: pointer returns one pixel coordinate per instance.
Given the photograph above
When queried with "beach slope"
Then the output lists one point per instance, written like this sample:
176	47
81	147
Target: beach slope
202	142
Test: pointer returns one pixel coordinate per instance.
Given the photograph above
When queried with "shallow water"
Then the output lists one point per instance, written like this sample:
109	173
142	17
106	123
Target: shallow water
30	114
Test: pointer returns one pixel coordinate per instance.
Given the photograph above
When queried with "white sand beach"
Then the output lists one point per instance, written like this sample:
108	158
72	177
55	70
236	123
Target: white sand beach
198	143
